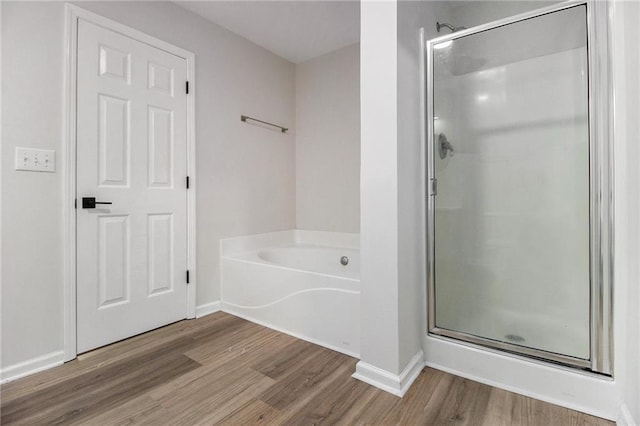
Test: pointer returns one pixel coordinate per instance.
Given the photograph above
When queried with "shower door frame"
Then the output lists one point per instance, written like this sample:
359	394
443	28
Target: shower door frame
600	190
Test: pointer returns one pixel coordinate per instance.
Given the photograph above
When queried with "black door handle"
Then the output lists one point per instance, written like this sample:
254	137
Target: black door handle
90	202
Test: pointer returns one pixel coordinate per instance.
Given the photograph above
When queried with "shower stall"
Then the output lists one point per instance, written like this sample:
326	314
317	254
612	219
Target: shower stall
518	190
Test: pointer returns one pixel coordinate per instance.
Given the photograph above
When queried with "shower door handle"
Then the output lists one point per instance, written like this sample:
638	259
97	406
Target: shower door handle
433	187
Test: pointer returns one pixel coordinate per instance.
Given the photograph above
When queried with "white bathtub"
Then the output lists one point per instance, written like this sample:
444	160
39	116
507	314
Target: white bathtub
293	281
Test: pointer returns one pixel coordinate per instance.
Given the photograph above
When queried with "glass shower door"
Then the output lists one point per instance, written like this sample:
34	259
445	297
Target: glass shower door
511	162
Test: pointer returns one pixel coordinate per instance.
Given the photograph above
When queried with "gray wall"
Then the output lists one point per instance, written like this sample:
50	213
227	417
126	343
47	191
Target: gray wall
245	175
328	142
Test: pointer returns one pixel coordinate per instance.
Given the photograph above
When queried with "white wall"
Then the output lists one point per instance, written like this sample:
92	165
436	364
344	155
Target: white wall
379	187
626	65
477	12
392	191
328	142
32	73
245	174
412	15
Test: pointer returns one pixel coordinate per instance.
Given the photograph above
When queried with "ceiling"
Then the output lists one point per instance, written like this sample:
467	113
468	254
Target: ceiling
295	30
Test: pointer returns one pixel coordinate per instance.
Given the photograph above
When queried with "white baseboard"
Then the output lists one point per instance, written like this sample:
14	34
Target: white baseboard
396	384
625	418
54	359
207	308
31	366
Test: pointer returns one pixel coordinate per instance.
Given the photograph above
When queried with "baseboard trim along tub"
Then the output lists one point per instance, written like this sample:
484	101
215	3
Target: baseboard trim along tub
396	384
31	366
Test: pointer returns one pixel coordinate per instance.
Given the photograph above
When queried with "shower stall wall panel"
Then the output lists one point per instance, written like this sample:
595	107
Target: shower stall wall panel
511	158
512	212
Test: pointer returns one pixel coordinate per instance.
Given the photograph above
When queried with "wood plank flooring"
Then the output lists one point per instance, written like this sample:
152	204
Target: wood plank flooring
224	370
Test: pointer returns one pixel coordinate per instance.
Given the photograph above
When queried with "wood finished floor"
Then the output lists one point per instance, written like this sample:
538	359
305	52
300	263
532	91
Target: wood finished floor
224	370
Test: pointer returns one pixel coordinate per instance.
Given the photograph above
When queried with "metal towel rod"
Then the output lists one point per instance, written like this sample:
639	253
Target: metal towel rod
244	118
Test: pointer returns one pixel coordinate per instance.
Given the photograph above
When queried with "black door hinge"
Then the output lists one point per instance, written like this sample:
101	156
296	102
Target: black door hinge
187	87
187	276
187	182
75	203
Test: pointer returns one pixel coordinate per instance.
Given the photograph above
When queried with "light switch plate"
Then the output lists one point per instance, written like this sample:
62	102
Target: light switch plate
35	160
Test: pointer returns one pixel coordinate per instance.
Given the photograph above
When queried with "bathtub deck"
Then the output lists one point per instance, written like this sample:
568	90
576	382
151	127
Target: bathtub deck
222	369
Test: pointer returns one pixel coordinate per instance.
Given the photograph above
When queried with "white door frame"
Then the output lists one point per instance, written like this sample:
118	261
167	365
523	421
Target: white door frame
68	164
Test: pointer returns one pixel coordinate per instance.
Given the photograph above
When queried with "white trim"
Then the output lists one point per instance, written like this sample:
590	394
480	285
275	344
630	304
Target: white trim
68	166
207	308
31	366
68	171
625	418
1	198
78	12
225	307
395	384
191	193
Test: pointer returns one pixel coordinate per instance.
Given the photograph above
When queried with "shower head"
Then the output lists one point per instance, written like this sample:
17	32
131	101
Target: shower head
453	29
458	63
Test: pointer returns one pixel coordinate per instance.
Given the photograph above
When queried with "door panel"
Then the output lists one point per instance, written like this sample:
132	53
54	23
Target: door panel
113	141
160	147
113	260
160	235
132	152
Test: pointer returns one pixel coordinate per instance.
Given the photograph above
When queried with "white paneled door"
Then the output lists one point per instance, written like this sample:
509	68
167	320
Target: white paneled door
131	153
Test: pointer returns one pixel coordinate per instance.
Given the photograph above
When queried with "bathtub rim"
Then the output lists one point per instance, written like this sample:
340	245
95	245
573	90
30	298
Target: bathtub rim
253	258
247	243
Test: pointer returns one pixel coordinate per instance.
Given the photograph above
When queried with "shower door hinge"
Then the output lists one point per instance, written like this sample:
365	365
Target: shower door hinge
187	87
187	276
433	187
187	182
